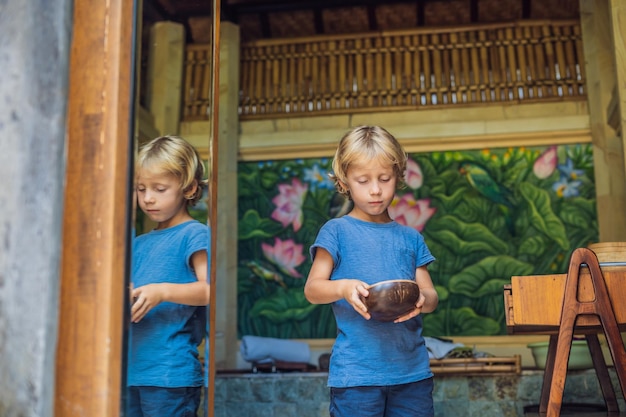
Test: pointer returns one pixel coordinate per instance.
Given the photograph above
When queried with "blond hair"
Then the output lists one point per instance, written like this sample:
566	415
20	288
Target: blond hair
363	144
174	156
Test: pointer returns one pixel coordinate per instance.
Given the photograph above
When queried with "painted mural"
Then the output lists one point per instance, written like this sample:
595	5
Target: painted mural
486	215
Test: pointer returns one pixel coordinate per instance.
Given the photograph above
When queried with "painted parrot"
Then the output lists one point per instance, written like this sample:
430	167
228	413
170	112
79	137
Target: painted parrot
481	181
264	273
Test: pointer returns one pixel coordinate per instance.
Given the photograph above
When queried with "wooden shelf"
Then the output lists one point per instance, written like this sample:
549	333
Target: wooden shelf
477	366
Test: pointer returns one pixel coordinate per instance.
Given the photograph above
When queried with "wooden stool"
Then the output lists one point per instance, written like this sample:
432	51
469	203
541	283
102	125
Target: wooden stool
561	343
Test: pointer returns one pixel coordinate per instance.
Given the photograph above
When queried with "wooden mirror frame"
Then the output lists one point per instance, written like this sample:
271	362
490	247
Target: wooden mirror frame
213	184
89	377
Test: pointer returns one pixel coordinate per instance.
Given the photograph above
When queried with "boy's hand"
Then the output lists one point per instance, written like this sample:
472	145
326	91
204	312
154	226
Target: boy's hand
418	309
145	299
353	289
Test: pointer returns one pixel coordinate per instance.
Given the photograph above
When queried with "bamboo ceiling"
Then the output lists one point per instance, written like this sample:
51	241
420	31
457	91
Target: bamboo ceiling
263	19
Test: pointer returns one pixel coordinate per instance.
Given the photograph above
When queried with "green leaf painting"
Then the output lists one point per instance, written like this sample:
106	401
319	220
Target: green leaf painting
486	215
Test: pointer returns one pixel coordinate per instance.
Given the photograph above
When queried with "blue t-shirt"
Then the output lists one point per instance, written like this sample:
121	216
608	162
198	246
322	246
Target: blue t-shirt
163	346
368	352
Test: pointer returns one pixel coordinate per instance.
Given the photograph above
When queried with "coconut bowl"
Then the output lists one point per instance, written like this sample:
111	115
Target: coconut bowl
391	299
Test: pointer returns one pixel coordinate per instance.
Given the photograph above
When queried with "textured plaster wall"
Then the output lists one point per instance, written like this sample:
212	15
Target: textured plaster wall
34	51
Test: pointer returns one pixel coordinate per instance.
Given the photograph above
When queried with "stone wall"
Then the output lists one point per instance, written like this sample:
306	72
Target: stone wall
306	394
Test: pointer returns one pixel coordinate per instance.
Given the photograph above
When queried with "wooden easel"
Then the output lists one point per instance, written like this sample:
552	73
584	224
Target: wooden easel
560	344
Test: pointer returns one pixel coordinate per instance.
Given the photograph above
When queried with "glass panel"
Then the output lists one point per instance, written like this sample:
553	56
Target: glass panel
169	329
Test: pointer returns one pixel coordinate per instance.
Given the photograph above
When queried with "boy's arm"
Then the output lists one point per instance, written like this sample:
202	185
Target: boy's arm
428	300
193	293
319	289
422	276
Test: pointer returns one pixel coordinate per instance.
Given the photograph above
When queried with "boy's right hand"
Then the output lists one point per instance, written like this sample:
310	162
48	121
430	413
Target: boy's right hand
352	292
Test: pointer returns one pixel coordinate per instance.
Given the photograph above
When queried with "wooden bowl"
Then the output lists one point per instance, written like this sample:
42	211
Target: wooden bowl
389	300
609	251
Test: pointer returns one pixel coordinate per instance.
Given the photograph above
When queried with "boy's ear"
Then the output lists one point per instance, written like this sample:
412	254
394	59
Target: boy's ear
190	191
343	186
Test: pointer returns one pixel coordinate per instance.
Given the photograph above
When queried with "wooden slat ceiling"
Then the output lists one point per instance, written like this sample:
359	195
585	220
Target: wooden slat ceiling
263	19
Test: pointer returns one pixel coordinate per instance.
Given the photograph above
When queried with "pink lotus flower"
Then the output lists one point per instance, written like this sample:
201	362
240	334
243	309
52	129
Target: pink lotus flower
546	163
289	204
413	175
285	254
410	212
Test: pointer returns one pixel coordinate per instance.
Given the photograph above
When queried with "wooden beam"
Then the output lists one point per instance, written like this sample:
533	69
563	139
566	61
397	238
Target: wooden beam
266	29
411	145
153	11
474	17
264	6
371	18
318	19
213	197
526	9
95	243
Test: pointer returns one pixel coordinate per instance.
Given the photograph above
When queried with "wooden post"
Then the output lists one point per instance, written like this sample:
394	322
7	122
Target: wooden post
600	61
93	265
213	197
226	246
165	75
618	16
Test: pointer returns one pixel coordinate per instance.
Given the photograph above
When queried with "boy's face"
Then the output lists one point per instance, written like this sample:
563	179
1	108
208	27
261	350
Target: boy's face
160	197
372	186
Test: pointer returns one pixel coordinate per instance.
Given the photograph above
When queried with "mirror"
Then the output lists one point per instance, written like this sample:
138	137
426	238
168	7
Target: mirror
167	74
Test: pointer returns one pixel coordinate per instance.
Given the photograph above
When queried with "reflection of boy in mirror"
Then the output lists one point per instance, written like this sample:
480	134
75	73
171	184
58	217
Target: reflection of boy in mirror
169	283
376	368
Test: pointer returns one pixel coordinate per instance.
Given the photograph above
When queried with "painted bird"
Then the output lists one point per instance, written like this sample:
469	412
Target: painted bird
481	181
265	273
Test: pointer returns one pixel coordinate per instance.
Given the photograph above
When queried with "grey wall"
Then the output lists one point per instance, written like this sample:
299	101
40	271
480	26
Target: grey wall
34	54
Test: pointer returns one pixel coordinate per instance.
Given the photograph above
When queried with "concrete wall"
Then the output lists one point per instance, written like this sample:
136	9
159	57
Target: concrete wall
35	39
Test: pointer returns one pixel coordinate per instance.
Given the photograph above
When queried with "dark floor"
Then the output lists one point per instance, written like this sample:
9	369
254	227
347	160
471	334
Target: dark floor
579	414
573	409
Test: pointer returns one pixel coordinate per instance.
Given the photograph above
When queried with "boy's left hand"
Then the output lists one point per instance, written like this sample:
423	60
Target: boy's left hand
418	309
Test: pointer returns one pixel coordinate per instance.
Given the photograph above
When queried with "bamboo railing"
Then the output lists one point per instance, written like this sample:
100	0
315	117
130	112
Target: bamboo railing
398	70
197	82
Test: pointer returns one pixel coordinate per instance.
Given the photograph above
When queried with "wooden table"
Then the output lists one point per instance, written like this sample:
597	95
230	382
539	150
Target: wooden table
587	300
